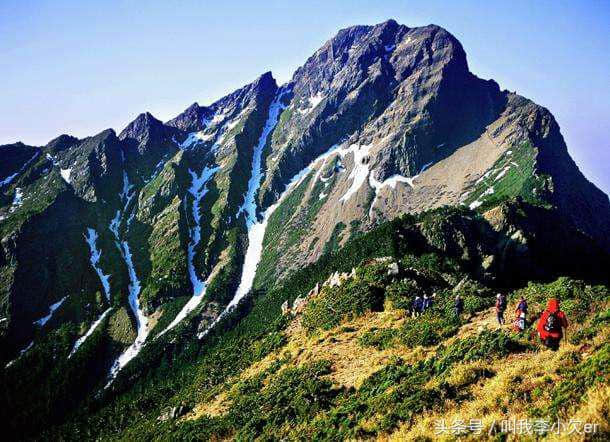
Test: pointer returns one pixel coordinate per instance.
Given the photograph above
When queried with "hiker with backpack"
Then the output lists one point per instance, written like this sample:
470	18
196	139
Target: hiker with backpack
458	305
521	313
551	325
417	306
425	303
522	306
500	307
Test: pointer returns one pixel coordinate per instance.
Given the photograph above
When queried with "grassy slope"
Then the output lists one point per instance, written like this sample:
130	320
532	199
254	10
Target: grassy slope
352	387
514	173
359	369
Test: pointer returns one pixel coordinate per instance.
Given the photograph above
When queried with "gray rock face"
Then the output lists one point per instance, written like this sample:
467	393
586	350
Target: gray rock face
405	91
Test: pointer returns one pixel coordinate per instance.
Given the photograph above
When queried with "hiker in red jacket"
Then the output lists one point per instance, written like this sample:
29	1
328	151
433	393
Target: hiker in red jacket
551	325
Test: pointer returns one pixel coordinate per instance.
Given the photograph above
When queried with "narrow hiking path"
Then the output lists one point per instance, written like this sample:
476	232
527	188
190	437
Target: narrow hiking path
481	320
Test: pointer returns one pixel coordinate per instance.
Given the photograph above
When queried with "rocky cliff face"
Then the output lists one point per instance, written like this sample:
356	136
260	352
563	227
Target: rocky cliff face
167	224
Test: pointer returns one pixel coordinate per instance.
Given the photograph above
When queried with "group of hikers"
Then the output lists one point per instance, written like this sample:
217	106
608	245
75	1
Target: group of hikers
550	326
421	304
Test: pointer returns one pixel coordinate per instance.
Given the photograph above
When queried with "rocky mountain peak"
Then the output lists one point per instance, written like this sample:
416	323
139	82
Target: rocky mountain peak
141	127
62	142
192	119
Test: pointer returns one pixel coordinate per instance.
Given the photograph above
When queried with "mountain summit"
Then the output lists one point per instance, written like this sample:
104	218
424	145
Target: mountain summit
117	250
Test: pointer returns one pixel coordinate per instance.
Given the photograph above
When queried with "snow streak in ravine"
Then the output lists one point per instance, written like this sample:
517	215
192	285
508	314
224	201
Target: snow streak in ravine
126	196
197	190
256	235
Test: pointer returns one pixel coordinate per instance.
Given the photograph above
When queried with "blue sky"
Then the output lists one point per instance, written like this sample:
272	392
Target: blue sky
80	67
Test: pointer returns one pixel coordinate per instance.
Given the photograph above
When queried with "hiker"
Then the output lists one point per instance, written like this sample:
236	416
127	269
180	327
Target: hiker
458	305
500	307
522	306
551	324
425	303
519	322
521	313
417	306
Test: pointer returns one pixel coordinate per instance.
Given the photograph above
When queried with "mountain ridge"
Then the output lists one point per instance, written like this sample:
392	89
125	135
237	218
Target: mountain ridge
165	230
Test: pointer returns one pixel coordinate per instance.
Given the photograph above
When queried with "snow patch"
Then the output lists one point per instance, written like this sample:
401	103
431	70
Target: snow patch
502	173
17	200
389	48
425	166
218	118
484	176
194	138
94	257
83	338
249	204
392	181
360	172
489	191
141	319
134	287
21	353
312	103
256	235
65	174
42	321
475	204
8	180
198	190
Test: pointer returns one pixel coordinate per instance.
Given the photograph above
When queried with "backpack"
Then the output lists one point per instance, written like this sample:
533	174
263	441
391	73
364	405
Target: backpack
552	323
501	303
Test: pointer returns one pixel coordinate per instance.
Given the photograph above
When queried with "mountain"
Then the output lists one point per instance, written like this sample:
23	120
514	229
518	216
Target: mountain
124	256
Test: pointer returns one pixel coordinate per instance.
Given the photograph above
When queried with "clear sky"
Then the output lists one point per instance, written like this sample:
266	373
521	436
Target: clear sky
79	67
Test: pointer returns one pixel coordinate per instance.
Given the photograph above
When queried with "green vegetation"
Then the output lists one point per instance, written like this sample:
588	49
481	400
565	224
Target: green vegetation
335	238
514	174
301	401
429	329
381	339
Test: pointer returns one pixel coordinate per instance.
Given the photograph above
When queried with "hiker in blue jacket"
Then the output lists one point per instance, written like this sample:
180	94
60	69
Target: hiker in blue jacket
458	305
417	306
425	303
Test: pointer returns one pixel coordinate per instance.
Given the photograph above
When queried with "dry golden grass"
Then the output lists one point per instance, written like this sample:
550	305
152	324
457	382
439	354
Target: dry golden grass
352	363
218	406
506	394
498	388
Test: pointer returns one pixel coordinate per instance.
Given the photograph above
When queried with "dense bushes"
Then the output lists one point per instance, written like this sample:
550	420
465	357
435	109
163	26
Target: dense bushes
379	338
399	391
577	379
428	329
354	297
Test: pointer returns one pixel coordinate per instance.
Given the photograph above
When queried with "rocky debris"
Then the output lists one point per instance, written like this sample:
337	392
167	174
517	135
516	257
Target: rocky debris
285	308
208	315
299	305
174	413
337	278
393	269
300	302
